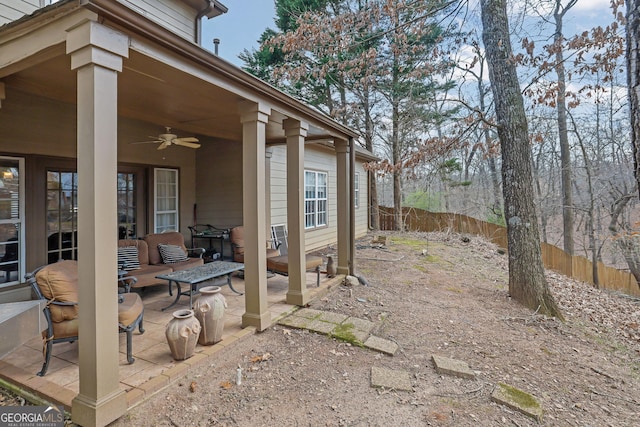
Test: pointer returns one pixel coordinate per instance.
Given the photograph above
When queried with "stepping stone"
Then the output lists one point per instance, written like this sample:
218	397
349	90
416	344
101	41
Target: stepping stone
382	345
331	317
308	313
389	378
360	324
518	400
454	367
320	326
295	322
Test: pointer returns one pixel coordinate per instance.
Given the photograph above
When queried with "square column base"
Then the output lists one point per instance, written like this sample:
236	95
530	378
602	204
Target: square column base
297	298
260	322
88	412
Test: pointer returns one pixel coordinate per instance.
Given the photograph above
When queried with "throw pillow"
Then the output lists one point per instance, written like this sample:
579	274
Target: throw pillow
171	253
128	258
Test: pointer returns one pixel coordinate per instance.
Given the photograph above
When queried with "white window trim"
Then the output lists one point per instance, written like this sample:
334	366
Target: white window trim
157	212
315	200
356	190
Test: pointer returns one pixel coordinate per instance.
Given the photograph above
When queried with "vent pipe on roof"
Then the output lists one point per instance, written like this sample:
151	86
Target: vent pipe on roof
216	43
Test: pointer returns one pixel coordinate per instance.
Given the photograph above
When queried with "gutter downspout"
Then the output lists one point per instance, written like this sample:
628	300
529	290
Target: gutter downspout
352	210
198	23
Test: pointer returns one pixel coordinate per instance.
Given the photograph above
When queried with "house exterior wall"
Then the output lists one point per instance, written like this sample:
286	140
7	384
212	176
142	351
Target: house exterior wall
171	14
219	189
11	10
44	133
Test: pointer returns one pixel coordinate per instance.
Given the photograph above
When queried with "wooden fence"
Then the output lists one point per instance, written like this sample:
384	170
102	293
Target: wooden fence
554	258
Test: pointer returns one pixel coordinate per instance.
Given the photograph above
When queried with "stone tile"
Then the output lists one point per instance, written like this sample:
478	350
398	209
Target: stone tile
361	324
517	399
136	380
331	317
154	384
134	396
360	336
177	371
320	326
389	378
195	360
295	322
457	368
382	345
308	313
159	354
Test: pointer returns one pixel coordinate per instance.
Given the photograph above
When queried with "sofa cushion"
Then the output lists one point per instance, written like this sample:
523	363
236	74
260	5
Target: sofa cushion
128	258
189	263
143	249
146	276
171	253
59	282
170	238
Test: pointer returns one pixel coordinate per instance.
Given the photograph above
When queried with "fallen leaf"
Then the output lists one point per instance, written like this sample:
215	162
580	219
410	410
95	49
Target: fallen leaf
192	387
226	385
263	358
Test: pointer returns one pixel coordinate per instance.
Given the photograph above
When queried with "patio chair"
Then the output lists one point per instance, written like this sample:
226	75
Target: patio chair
236	237
57	285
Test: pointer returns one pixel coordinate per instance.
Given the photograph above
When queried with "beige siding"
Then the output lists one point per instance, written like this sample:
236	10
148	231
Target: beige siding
11	10
362	211
171	14
219	184
319	159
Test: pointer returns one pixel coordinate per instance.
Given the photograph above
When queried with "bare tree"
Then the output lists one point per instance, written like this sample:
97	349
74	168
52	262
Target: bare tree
527	283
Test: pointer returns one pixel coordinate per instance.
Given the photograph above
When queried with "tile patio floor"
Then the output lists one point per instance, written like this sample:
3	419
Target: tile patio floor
154	368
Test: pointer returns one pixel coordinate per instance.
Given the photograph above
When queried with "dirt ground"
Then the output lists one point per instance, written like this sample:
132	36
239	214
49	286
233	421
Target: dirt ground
433	294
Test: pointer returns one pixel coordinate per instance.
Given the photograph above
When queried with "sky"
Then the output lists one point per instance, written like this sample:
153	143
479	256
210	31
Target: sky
239	28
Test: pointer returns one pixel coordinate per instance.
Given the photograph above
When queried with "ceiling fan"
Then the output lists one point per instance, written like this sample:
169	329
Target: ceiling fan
168	138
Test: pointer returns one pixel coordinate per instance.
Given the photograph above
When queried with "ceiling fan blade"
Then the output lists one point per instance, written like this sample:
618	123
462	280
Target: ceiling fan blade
187	139
180	141
164	145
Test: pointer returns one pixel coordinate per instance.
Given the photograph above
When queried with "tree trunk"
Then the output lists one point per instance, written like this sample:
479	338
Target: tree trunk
565	151
527	283
633	79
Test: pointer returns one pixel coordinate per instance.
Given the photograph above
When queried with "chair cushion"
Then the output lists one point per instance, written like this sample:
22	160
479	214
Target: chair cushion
64	329
280	263
170	238
129	309
59	282
171	253
128	258
141	245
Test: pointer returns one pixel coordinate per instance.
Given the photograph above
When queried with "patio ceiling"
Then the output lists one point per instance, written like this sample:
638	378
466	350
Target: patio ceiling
153	92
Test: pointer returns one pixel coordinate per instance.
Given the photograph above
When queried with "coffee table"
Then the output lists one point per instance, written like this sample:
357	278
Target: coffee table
195	275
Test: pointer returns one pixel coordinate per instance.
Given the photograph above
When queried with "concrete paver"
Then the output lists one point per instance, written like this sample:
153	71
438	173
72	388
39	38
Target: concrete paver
382	345
390	378
454	367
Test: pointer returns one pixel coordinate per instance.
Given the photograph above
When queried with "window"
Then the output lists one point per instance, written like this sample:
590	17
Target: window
166	200
127	222
62	215
356	190
315	199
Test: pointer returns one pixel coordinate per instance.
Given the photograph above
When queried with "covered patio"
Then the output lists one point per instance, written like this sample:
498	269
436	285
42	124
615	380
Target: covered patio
81	81
153	368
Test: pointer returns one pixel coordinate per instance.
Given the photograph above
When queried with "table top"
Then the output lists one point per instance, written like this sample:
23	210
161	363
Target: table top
203	272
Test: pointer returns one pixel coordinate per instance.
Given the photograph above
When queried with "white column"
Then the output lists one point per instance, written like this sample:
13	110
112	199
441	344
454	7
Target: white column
96	53
344	202
254	117
296	132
